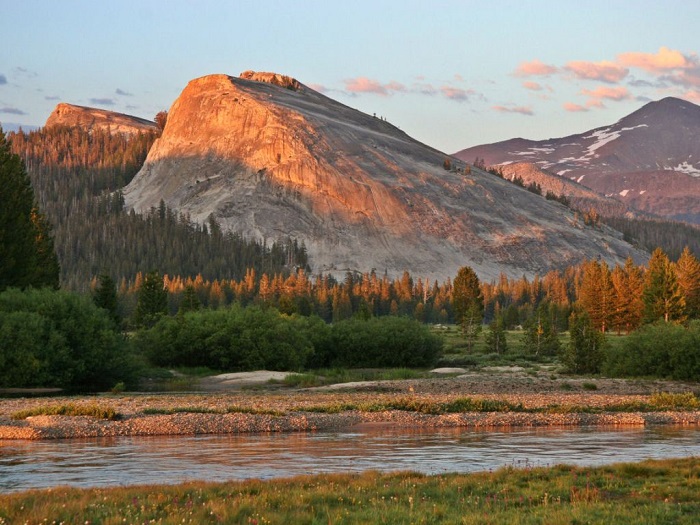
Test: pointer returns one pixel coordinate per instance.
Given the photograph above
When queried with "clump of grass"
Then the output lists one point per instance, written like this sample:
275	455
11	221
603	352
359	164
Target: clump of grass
668	400
302	380
566	386
97	411
589	386
235	409
178	410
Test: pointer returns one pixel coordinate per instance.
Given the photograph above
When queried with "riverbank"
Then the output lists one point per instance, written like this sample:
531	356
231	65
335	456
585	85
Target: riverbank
505	398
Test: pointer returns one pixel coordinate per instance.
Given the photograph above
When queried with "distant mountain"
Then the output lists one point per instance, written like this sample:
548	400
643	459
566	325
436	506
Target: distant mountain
91	118
649	160
269	157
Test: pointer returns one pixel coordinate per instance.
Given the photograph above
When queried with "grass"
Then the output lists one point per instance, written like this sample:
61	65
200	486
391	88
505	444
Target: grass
97	411
651	492
338	375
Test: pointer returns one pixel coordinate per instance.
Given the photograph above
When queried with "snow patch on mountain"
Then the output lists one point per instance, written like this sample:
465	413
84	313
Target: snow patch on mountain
604	136
687	168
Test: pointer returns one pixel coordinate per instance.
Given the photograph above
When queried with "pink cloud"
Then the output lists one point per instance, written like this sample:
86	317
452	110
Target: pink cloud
534	68
424	89
319	87
610	93
601	71
693	95
523	110
575	108
595	103
666	59
368	85
532	86
458	94
365	85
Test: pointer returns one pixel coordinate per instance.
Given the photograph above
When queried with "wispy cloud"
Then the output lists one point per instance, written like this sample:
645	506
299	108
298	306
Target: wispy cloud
693	95
24	72
523	110
604	71
12	111
52	97
535	68
609	93
123	93
424	88
368	85
532	86
319	87
458	94
574	108
3	80
102	101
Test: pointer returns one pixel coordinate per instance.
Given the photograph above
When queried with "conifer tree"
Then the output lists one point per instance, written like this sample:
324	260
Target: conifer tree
496	336
596	294
584	353
688	273
663	296
468	303
105	296
628	284
27	256
152	301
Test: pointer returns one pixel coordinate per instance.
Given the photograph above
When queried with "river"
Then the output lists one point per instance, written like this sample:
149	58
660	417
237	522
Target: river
175	459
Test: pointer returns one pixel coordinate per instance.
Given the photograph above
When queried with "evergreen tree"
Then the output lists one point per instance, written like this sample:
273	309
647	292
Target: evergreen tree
27	257
105	296
596	294
662	295
584	354
190	301
628	284
540	336
496	336
688	274
152	301
468	303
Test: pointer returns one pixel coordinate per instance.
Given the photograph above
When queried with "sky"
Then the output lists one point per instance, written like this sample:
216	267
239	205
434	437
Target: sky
452	74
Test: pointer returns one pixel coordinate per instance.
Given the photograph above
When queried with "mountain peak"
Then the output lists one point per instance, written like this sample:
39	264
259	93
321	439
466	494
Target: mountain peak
272	78
271	160
70	115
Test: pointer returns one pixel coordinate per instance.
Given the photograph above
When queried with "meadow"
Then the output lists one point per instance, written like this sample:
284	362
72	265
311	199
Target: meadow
651	492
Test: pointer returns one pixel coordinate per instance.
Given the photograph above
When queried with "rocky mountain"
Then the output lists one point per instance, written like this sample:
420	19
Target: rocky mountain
92	118
650	159
269	157
580	197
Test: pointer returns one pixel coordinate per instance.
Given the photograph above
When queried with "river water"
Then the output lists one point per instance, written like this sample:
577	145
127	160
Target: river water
175	459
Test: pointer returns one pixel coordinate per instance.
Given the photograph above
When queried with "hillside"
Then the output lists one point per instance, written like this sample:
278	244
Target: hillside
266	156
649	160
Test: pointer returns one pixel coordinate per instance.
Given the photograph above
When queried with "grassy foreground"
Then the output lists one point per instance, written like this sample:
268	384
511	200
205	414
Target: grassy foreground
633	493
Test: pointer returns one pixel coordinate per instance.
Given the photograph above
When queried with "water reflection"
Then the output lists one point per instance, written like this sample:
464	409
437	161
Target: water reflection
144	460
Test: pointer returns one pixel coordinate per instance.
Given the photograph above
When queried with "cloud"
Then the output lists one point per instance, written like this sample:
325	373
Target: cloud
102	101
424	89
610	93
319	87
532	86
3	80
52	97
12	111
24	72
666	59
693	95
368	85
595	103
535	68
458	77
458	94
523	110
574	108
123	93
685	78
604	71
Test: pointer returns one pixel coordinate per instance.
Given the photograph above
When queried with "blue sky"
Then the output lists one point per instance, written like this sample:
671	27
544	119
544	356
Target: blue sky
452	74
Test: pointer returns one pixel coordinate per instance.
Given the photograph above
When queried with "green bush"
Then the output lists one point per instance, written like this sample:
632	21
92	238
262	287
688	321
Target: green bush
239	339
659	350
53	338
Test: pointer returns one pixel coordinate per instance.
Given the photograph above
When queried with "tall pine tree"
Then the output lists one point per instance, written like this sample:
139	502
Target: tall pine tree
663	297
27	256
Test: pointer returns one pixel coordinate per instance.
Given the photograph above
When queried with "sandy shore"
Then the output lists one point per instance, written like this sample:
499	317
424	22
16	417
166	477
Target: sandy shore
232	406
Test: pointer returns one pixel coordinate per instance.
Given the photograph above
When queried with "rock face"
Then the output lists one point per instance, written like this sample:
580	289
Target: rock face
268	157
91	118
649	160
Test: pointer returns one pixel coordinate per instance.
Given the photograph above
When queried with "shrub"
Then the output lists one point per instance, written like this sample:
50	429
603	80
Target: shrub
59	339
659	350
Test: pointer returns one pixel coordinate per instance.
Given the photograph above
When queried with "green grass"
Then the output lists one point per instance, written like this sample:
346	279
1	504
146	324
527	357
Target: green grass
98	411
342	375
651	492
